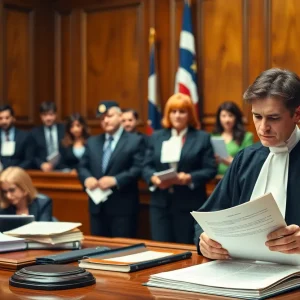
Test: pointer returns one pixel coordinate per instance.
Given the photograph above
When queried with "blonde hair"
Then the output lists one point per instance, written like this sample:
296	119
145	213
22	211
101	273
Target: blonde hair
180	101
17	176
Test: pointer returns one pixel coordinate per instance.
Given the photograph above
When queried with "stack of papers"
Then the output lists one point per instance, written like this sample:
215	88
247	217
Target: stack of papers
242	230
10	243
48	232
238	279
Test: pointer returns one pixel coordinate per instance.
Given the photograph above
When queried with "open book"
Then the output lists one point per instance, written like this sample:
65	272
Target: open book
132	258
48	232
241	279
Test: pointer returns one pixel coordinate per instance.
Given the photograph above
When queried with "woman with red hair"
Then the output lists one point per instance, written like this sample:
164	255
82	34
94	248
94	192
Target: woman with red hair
182	146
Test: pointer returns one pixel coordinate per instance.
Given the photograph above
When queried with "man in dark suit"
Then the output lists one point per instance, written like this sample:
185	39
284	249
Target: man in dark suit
130	121
15	144
47	139
113	160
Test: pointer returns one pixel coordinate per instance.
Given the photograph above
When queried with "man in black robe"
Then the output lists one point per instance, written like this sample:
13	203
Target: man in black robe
275	100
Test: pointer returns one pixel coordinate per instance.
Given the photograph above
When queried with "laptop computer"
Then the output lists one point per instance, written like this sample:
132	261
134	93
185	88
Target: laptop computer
9	222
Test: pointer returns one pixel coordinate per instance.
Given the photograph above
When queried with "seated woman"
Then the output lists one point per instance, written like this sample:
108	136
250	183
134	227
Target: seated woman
76	135
229	125
182	146
19	196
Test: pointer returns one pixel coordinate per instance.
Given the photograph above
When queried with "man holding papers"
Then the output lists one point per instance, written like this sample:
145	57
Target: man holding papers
271	166
109	171
179	161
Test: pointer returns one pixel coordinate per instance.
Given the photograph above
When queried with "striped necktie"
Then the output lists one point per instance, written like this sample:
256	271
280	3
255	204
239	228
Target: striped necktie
107	154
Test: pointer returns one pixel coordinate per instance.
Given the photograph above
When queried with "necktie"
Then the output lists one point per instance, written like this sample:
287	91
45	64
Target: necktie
7	136
273	176
50	141
107	154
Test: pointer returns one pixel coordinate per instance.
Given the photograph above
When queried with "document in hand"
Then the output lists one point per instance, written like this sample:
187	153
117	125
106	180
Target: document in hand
10	243
238	279
166	174
243	229
132	258
219	146
48	232
53	158
98	195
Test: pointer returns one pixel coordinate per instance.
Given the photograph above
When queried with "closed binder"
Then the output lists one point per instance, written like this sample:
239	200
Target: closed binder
70	256
132	258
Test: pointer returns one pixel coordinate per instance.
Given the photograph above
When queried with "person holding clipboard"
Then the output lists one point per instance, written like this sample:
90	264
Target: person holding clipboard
229	129
180	146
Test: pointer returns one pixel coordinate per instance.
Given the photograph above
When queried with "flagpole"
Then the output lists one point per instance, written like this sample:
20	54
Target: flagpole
152	34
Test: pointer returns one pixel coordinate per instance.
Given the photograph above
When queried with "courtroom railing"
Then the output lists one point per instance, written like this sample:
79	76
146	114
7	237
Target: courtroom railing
70	201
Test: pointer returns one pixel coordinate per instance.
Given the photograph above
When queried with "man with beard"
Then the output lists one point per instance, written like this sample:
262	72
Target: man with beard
113	160
16	145
130	120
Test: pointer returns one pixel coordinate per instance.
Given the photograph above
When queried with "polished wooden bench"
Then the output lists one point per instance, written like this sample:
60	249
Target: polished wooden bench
70	201
119	286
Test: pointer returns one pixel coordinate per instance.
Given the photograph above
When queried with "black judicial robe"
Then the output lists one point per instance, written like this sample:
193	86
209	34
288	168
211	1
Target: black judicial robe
238	183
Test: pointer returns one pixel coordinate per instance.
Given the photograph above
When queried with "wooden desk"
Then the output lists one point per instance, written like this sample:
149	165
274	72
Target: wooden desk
70	202
114	285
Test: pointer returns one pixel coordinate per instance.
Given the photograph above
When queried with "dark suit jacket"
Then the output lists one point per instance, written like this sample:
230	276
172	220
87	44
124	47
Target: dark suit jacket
40	145
70	160
40	207
125	165
197	158
23	155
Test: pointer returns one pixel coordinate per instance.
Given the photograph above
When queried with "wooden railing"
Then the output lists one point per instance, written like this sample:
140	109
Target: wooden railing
70	202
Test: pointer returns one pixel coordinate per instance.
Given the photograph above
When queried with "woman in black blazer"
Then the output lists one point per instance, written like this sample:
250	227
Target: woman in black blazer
76	135
19	197
173	200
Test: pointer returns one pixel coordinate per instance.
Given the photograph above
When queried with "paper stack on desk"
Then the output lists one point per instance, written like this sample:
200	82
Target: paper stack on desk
48	232
10	243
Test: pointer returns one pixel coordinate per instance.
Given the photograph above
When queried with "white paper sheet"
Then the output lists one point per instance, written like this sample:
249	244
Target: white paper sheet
243	229
219	147
98	195
43	228
171	150
8	148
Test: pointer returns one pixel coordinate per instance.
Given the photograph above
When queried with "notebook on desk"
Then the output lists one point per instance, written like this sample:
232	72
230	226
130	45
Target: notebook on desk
132	258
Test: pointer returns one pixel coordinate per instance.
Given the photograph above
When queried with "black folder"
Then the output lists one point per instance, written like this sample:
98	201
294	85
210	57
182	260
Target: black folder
70	256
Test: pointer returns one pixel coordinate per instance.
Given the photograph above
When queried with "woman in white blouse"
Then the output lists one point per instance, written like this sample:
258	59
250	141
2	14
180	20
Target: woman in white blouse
182	146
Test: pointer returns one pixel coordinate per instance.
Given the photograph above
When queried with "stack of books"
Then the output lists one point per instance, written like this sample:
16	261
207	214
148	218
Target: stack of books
47	235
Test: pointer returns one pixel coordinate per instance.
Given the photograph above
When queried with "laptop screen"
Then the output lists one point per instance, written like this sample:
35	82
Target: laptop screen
9	222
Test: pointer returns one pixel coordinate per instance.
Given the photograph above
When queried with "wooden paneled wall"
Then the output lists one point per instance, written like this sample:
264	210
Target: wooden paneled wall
78	52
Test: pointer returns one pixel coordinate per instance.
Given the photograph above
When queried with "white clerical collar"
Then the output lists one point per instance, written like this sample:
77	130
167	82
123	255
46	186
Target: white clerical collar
289	144
181	133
